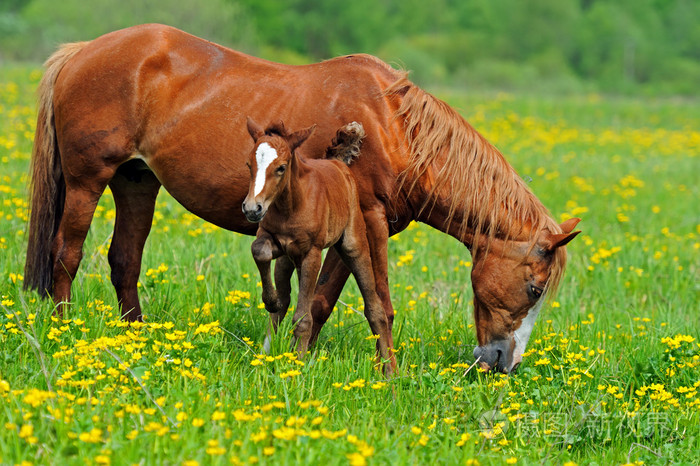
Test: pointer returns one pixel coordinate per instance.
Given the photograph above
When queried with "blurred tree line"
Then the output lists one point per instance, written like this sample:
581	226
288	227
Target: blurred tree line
608	45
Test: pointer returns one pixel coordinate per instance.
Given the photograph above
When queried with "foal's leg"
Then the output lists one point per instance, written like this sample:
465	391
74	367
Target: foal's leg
307	270
265	250
354	249
82	196
284	268
135	195
334	274
276	300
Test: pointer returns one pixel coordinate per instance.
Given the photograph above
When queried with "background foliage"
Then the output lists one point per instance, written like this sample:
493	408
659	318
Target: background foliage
650	46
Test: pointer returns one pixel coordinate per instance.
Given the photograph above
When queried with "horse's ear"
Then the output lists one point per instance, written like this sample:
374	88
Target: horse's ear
255	130
557	241
569	225
562	239
296	139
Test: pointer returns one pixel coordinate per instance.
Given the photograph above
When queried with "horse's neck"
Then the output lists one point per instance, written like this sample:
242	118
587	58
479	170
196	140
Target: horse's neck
469	220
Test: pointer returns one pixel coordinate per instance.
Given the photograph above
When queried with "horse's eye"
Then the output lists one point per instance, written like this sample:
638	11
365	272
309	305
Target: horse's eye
537	292
280	170
247	164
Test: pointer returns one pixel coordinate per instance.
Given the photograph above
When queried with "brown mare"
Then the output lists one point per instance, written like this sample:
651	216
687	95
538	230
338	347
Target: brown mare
151	105
306	206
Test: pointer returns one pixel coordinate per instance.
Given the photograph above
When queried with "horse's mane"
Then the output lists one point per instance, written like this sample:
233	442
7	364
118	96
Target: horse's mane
460	165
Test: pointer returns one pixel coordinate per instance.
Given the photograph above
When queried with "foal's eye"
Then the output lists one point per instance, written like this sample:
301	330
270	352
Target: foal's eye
537	292
280	170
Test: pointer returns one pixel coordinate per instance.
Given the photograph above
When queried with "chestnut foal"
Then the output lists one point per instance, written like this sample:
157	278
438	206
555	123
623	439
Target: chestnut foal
305	206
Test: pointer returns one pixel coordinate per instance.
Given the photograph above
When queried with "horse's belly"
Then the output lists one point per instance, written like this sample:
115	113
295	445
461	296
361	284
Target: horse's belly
210	191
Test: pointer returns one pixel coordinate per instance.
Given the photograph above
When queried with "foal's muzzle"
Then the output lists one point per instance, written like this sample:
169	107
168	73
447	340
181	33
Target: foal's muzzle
253	211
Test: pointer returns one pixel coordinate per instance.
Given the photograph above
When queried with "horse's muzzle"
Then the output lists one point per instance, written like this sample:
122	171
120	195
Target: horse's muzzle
496	355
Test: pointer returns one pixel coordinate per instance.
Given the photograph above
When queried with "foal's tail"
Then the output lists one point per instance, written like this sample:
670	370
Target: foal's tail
347	143
47	187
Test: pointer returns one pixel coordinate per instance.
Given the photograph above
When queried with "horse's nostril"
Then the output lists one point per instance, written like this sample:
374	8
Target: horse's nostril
258	208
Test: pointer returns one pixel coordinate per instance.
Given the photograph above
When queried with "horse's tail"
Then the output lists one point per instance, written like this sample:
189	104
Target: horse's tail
347	143
47	186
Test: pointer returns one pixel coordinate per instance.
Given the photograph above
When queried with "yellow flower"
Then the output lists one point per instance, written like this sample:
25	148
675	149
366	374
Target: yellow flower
197	422
356	459
102	459
94	436
463	439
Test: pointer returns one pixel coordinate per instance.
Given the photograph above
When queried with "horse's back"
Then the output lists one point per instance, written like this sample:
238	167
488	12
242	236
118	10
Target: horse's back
180	103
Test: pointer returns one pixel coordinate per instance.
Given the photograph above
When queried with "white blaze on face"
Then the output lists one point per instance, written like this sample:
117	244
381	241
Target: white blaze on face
264	155
522	334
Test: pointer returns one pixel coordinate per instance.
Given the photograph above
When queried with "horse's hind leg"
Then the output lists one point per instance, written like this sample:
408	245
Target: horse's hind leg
135	190
82	196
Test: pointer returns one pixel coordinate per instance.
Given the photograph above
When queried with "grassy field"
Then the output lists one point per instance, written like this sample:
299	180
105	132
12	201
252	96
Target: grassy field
611	375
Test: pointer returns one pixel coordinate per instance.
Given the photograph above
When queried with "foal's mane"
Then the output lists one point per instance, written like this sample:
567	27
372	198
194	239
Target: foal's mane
459	165
276	128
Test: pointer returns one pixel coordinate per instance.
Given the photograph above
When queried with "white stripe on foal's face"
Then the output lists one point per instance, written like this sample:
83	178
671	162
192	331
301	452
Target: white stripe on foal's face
264	155
522	334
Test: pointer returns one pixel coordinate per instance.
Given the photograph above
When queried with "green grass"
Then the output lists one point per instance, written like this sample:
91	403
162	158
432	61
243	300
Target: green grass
611	374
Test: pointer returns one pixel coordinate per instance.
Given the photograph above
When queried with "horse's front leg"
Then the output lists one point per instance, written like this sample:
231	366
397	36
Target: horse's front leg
307	270
378	237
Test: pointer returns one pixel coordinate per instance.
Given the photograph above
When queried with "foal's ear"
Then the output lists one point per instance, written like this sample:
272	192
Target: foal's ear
296	139
255	130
